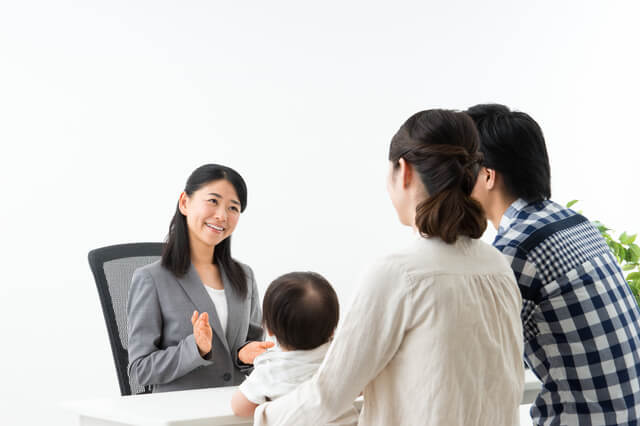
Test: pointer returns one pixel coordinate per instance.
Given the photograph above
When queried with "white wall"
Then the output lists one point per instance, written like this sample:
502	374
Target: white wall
106	107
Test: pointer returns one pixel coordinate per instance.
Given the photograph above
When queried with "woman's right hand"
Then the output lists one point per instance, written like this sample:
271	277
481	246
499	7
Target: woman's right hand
202	332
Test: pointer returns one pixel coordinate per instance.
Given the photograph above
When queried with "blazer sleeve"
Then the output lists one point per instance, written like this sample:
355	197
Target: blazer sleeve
255	331
149	363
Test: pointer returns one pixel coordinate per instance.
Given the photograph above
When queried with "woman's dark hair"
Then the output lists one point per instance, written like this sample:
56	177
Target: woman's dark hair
176	255
513	144
301	309
442	147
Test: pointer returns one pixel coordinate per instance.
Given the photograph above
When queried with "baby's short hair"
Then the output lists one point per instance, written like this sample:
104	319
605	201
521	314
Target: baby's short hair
301	309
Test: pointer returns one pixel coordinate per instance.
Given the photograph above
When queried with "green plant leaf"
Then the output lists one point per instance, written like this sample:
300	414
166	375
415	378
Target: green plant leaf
628	256
601	226
629	267
623	237
635	249
572	202
633	276
635	289
627	239
617	250
622	253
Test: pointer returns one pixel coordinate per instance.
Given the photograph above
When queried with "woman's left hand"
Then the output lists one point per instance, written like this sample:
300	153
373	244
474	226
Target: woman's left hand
251	350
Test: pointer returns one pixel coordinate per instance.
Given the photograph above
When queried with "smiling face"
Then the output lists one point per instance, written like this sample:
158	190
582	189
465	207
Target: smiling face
212	213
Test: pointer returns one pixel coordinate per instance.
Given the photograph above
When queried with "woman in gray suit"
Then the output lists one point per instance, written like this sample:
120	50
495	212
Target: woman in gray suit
194	318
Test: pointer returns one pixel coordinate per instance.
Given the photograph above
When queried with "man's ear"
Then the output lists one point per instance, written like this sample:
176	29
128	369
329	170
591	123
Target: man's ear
489	178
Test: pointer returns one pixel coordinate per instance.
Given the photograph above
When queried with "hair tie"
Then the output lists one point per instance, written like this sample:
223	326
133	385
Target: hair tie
473	159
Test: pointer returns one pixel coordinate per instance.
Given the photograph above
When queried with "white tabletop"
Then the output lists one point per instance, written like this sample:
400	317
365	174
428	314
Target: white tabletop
163	408
197	407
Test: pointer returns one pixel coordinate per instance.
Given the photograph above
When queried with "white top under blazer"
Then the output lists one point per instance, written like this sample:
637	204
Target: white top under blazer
219	300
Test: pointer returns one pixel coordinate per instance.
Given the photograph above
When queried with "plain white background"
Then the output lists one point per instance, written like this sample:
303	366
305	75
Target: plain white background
106	107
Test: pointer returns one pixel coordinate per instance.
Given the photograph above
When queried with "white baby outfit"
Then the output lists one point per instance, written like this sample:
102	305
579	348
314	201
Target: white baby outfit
277	372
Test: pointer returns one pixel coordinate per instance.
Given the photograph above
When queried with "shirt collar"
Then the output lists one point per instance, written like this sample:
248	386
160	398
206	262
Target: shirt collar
511	213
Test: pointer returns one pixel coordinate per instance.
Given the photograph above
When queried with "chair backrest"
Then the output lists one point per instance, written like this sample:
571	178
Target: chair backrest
112	268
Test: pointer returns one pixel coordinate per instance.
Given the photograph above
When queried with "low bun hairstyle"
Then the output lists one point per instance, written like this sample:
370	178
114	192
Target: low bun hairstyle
442	147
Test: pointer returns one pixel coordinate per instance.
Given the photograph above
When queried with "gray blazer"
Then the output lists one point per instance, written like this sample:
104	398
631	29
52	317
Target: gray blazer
162	349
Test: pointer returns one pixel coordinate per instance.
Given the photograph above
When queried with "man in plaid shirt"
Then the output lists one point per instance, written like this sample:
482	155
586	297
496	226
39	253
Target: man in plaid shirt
581	322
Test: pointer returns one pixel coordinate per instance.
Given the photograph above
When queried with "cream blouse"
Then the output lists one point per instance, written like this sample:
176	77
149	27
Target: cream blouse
433	337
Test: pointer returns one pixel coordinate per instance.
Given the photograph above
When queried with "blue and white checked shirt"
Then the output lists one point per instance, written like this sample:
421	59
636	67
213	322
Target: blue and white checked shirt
581	322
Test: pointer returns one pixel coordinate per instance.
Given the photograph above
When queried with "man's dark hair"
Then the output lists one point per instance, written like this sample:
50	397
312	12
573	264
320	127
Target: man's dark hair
513	144
301	309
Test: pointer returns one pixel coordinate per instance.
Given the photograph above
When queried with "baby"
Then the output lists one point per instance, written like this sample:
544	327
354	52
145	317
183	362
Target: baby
301	310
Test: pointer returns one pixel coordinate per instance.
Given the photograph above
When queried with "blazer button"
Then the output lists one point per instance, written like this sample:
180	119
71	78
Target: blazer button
227	377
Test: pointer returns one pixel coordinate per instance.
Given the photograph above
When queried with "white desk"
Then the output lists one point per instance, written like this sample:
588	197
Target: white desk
210	407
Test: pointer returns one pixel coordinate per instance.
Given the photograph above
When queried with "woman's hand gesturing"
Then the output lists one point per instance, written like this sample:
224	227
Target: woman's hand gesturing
202	332
251	350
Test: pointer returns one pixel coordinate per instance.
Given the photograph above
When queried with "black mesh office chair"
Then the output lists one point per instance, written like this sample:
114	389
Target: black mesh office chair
112	268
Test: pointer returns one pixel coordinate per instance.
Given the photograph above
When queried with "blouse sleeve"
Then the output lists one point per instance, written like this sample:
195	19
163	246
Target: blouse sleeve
366	341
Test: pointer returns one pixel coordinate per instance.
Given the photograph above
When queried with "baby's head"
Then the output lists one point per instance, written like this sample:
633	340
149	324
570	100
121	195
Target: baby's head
301	310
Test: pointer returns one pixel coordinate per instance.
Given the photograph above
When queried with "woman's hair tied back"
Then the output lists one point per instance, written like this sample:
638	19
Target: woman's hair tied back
442	147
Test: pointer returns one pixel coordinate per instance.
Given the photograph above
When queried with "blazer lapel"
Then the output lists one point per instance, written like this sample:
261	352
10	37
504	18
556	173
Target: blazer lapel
194	288
235	310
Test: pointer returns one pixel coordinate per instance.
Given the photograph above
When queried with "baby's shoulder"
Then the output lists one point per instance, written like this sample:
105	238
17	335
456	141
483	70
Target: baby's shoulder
268	358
